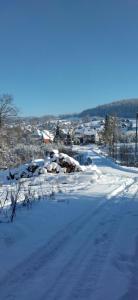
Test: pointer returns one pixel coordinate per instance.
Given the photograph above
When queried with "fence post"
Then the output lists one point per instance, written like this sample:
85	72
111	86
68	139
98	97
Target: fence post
136	141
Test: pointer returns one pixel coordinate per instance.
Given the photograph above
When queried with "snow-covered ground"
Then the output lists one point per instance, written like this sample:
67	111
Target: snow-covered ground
80	244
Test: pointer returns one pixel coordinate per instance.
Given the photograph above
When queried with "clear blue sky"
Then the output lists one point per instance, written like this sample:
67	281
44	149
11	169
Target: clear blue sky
60	56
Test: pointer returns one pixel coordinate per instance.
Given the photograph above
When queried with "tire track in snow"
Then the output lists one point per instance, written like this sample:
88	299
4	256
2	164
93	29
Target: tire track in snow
20	276
60	288
85	288
87	262
44	255
120	257
123	188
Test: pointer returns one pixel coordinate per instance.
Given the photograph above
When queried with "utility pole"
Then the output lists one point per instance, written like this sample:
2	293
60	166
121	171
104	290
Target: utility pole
136	142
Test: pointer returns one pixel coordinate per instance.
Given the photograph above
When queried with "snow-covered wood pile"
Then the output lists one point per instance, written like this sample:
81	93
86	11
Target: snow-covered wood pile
54	163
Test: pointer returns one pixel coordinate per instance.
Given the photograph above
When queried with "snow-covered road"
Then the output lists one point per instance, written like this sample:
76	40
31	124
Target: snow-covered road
85	247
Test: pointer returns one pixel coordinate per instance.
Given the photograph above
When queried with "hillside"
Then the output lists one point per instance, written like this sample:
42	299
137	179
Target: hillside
122	108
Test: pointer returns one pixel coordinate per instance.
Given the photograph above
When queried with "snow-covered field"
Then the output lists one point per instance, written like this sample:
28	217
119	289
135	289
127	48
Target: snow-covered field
80	244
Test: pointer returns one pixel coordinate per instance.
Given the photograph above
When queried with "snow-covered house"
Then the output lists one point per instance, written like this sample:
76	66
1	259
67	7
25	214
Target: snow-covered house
47	137
86	135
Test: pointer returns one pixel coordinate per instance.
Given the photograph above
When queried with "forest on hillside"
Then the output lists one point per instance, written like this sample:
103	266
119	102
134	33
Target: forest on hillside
122	108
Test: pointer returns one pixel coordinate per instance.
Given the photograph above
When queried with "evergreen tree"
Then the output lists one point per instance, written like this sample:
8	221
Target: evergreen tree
110	133
69	139
57	137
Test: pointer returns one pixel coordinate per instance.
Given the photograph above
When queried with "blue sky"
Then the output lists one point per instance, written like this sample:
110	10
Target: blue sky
62	56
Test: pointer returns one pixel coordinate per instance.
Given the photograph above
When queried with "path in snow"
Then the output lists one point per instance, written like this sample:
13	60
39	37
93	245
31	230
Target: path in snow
94	255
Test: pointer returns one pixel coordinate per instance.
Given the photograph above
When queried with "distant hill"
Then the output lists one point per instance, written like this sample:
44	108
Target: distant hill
122	108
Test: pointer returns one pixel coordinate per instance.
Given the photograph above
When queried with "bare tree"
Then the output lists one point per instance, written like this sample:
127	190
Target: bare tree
110	133
7	108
